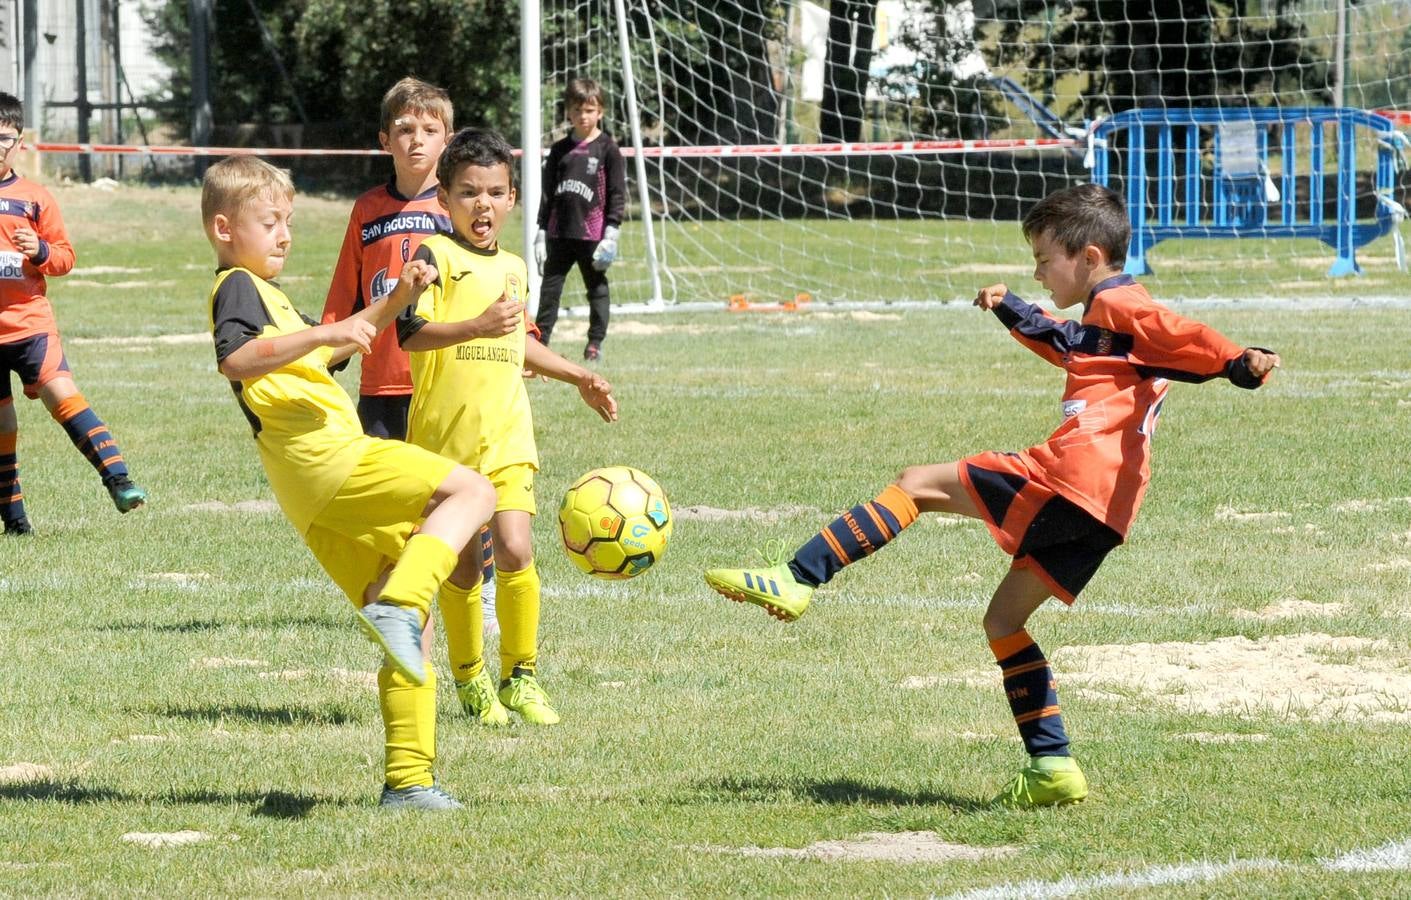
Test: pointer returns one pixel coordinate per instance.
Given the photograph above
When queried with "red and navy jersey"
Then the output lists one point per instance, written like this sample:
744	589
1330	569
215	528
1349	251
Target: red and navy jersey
384	231
1120	359
24	308
584	189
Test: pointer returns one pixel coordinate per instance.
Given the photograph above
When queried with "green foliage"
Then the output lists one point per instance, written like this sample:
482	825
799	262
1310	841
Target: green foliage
341	57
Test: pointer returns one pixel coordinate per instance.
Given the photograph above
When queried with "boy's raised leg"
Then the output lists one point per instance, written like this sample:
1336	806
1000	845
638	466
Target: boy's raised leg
91	437
784	589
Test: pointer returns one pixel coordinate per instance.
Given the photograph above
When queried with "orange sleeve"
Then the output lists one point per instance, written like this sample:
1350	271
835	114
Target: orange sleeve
346	287
1162	339
49	225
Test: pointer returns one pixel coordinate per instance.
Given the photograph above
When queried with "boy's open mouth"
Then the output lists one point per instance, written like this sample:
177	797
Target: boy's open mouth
481	226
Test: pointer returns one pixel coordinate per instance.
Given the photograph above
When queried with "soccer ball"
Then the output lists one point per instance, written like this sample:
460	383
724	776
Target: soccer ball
615	522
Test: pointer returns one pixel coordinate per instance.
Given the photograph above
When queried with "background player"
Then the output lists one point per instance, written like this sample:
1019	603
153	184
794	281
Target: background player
33	245
386	226
1057	508
580	214
470	404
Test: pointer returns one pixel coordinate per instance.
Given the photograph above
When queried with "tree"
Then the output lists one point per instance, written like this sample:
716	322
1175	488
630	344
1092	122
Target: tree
341	56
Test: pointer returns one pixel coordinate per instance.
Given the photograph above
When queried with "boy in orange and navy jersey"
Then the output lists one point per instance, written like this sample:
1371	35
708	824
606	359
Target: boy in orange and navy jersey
385	228
33	245
1057	508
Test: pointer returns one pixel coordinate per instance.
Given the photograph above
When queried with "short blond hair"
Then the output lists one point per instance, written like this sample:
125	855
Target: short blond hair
416	96
237	180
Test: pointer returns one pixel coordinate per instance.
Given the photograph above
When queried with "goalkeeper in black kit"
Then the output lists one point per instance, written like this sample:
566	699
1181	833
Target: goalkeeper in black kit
580	214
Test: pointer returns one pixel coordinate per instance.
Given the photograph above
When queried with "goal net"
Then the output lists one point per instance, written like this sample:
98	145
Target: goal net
885	150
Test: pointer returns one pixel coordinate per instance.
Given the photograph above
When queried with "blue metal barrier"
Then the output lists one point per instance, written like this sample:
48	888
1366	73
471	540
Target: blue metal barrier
1220	202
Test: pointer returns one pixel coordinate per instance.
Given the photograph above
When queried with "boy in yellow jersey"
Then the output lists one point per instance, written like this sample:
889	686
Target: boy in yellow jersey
386	226
469	403
355	499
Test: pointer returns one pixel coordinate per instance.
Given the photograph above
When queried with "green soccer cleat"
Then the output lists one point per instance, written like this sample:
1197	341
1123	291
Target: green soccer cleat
774	589
478	699
1045	781
427	799
126	495
521	692
397	630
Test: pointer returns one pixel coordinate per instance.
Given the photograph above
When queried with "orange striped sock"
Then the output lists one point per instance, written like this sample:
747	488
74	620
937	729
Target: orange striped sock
1032	694
859	532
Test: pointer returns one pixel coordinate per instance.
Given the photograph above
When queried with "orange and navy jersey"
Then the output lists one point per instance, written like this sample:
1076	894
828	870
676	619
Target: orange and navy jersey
1120	359
24	308
384	231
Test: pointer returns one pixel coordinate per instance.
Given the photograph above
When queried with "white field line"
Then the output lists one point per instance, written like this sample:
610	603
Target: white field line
1391	856
1156	876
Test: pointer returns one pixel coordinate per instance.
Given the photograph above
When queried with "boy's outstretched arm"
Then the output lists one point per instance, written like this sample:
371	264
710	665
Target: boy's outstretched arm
1047	336
264	355
416	275
499	319
592	387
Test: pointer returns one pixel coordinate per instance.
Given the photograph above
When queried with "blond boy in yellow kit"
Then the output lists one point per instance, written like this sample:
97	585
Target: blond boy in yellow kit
469	404
354	499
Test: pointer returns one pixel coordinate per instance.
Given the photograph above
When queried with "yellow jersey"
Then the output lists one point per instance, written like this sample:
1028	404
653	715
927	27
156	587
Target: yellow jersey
468	400
305	425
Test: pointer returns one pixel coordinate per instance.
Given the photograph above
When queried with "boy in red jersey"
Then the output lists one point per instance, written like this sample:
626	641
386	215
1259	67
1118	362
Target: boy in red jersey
385	228
1057	508
34	244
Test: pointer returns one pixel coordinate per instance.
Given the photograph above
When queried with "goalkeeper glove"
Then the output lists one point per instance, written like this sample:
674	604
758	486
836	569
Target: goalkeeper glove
606	251
541	249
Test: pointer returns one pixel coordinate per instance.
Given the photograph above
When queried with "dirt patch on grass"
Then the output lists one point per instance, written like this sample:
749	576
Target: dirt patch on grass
1288	608
159	839
1304	676
1212	737
750	513
240	506
1373	504
23	773
880	846
203	337
1234	514
227	662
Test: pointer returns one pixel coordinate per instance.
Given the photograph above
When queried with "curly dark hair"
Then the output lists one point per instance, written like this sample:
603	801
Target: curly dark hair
475	147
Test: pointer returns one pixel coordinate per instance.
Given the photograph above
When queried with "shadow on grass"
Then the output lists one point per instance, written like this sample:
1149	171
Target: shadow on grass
199	625
832	791
262	715
271	805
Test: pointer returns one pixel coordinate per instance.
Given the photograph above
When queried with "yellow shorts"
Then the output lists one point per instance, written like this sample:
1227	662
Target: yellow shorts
362	530
514	488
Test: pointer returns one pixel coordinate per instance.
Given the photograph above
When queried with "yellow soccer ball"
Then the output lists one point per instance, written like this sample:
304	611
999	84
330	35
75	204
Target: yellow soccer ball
615	522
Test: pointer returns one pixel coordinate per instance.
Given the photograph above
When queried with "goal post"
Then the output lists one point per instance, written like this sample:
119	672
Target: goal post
884	150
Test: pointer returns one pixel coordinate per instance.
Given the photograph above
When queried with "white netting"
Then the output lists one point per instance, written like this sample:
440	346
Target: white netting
909	223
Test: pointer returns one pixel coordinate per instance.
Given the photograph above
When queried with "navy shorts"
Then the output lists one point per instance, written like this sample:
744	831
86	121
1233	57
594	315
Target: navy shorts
37	359
384	416
1043	530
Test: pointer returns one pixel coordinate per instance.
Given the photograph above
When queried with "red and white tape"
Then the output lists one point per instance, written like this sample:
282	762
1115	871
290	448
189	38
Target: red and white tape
871	148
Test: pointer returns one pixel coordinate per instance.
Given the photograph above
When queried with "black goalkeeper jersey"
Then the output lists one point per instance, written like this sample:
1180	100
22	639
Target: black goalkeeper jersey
584	189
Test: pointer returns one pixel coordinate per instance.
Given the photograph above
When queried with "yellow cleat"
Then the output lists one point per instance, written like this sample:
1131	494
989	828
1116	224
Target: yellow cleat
477	697
1045	781
521	692
773	588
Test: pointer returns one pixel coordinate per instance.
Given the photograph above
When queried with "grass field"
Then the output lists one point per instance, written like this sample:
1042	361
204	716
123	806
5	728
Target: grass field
1234	680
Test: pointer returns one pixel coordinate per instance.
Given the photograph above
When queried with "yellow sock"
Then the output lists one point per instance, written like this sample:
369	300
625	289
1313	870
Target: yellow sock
517	608
409	723
426	562
465	629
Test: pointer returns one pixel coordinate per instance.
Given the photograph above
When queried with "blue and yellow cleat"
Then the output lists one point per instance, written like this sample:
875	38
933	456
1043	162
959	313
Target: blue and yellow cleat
427	799
126	495
773	588
397	630
1045	781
